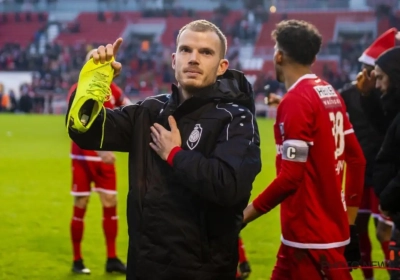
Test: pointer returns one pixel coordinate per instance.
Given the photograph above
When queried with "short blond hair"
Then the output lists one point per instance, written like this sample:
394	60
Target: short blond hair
203	25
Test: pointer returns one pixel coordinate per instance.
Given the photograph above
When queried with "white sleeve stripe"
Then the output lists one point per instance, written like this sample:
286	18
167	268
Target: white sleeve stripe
252	124
227	128
152	98
227	131
128	105
231	115
148	98
246	110
349	131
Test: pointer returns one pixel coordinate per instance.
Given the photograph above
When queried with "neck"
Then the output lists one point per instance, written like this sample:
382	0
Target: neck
183	95
293	73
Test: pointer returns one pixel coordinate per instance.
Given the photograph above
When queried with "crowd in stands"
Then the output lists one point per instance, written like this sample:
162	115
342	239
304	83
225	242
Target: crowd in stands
147	63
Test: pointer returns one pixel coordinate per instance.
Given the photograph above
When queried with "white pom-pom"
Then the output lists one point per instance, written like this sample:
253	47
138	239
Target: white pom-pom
397	36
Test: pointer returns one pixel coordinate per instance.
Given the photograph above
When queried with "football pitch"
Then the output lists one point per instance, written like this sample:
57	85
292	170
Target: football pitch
36	206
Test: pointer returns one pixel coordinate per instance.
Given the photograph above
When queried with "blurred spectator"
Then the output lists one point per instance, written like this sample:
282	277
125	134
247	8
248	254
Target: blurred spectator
147	62
25	103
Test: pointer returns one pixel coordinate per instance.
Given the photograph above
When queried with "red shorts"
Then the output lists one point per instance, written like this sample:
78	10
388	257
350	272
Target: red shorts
370	204
314	264
84	173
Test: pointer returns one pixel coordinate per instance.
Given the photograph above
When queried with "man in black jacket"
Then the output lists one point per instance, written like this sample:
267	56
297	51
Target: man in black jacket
193	156
370	140
387	166
368	119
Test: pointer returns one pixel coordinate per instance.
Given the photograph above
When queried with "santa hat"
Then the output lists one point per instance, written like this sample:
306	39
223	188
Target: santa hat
384	42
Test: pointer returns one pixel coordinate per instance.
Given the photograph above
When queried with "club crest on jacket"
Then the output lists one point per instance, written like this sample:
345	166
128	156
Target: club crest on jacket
194	137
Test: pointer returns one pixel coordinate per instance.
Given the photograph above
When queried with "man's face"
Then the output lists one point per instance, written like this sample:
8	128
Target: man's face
278	56
197	61
382	80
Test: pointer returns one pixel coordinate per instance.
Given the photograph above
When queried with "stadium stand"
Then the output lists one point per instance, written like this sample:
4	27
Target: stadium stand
50	42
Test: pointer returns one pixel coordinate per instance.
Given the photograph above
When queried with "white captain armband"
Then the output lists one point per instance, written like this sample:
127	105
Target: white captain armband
295	150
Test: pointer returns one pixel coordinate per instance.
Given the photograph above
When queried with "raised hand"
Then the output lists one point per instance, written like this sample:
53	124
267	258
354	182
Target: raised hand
104	54
366	82
272	99
163	140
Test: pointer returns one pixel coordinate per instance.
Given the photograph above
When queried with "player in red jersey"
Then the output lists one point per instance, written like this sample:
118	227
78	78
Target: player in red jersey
314	140
96	167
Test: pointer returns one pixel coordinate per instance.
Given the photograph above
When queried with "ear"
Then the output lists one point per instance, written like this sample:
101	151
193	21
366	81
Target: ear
173	60
278	57
223	66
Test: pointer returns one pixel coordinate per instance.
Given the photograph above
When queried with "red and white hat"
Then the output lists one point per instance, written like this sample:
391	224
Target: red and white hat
384	42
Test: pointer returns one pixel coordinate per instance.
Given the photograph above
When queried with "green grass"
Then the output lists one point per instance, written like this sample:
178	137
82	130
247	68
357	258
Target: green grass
36	206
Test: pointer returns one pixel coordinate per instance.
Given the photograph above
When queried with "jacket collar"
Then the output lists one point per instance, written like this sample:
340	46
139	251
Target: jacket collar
232	86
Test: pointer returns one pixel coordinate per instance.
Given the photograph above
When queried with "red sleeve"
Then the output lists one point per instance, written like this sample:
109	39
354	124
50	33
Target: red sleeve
355	163
355	167
296	119
118	95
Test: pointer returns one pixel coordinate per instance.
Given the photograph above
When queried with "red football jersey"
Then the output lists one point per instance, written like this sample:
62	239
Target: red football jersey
116	100
310	131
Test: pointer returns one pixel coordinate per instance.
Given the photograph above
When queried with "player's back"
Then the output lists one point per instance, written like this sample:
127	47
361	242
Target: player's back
315	216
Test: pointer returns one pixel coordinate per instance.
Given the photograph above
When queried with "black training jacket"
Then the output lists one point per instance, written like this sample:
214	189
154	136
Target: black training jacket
383	113
387	169
184	221
368	136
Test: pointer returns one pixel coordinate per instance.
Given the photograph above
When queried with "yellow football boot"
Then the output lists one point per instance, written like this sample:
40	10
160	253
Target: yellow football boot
92	91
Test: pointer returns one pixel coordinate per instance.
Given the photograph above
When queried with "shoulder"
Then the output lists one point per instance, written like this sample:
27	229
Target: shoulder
238	120
150	103
347	89
232	110
155	101
298	96
303	101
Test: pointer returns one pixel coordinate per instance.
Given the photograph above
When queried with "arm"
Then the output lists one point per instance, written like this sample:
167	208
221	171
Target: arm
384	169
387	174
389	198
355	165
115	125
354	185
355	169
226	177
289	179
298	118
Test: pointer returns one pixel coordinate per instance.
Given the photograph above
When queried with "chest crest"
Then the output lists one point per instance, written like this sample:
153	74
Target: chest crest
194	137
